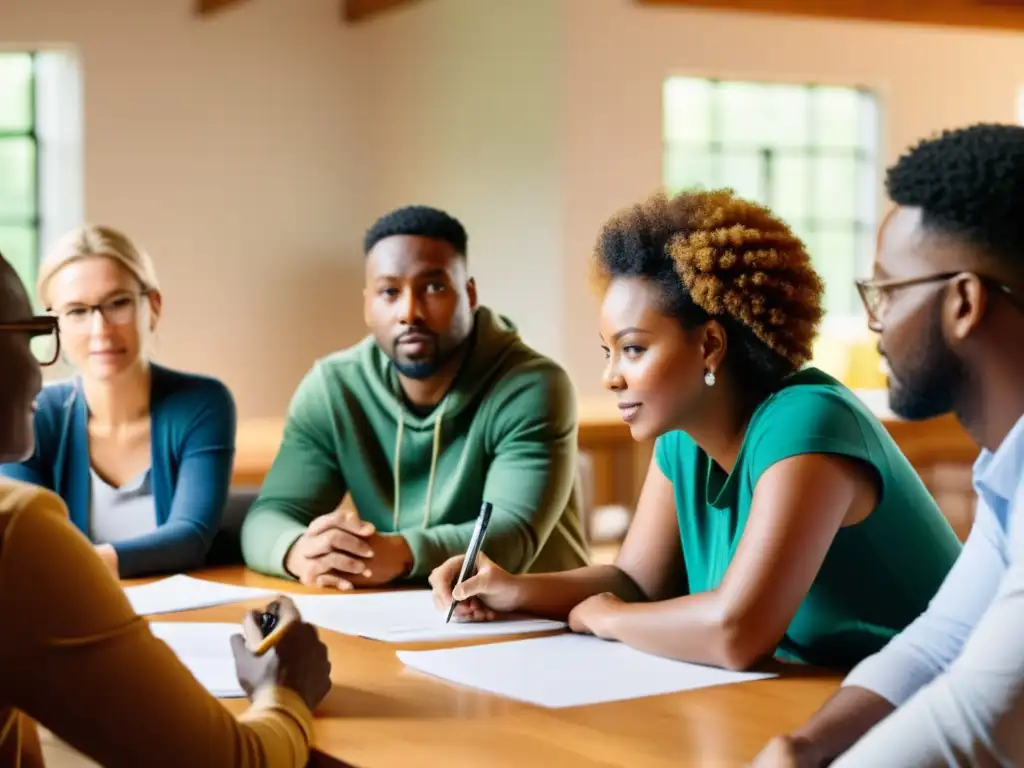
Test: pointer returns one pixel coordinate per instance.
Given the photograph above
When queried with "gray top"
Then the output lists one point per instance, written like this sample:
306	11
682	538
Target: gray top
957	673
116	514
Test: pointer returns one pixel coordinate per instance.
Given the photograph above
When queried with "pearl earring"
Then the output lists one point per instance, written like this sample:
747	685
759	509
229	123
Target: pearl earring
709	378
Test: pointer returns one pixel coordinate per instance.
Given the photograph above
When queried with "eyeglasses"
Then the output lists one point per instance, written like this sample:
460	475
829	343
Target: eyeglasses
43	334
119	310
876	293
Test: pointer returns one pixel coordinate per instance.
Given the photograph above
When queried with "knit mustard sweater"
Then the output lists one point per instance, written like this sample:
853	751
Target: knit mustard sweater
75	658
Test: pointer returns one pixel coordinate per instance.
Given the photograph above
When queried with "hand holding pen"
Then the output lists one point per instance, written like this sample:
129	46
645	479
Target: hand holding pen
469	562
277	648
490	591
474	594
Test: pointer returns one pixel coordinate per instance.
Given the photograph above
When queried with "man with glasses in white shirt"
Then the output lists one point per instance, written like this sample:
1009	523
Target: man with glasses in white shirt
947	298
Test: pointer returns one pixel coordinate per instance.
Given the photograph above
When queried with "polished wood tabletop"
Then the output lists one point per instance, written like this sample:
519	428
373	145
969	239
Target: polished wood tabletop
383	715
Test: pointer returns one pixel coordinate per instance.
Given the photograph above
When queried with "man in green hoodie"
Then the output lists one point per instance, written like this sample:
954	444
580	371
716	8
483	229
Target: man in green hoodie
442	407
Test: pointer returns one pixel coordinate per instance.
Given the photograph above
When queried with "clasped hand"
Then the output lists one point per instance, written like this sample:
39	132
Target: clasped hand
339	550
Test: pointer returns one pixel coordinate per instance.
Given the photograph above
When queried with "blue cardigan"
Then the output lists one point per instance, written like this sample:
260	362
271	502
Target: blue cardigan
192	433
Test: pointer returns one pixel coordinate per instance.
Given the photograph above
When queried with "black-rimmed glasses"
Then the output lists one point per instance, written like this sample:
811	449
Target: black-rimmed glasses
43	334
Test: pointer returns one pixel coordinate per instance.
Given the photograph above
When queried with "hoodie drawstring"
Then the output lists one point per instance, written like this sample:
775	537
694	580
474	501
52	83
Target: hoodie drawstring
397	468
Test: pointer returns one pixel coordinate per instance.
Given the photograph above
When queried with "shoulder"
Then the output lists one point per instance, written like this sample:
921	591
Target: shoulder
334	383
56	395
674	442
674	452
814	413
812	386
532	391
813	405
525	393
526	371
35	532
343	364
181	396
17	497
344	368
32	521
347	370
54	403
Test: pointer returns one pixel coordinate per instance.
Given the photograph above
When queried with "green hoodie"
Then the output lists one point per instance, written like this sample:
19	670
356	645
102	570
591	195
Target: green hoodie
505	432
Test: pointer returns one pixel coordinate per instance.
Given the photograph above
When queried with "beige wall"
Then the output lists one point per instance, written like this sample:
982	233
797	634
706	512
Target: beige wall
617	55
248	152
225	146
464	112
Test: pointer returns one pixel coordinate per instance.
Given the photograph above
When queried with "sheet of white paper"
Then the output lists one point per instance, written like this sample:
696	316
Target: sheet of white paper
405	617
567	670
206	650
184	593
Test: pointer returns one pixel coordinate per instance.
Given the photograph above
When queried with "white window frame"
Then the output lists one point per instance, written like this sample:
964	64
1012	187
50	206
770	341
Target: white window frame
57	130
846	326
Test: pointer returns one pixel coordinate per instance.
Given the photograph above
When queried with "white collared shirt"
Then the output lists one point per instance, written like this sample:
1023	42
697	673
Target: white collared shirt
957	673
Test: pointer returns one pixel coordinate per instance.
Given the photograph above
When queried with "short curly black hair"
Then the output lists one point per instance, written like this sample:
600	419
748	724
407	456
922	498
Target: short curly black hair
714	255
968	183
420	220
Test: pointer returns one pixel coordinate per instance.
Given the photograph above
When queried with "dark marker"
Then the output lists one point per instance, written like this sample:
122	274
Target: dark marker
267	623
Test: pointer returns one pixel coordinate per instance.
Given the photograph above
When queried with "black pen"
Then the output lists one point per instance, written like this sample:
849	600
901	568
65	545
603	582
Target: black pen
475	542
268	621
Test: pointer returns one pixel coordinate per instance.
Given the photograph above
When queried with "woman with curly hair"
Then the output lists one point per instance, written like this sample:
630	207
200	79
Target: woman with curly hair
778	517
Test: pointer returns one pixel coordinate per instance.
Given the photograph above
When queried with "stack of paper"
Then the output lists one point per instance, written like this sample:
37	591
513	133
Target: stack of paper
405	617
568	670
184	593
206	650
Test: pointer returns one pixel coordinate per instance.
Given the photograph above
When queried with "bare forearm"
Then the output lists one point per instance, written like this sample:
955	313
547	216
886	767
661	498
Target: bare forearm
844	718
686	628
554	595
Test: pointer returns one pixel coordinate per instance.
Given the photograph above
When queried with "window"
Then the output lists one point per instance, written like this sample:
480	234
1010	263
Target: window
40	154
19	164
809	152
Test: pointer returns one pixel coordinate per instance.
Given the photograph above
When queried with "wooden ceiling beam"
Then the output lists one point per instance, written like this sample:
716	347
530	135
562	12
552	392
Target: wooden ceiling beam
360	10
209	7
352	11
991	14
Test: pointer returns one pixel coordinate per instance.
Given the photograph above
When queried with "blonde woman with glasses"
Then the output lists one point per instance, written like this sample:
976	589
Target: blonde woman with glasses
74	634
141	454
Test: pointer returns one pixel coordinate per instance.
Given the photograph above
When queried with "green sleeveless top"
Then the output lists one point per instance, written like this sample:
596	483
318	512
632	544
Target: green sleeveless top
878	575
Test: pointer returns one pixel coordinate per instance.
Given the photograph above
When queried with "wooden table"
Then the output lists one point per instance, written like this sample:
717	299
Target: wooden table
382	715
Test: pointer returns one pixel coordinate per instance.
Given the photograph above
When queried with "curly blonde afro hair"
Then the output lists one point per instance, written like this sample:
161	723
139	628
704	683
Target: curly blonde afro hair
715	255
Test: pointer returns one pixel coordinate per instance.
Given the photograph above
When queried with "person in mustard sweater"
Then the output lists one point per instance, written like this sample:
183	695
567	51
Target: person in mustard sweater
441	408
75	657
778	517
